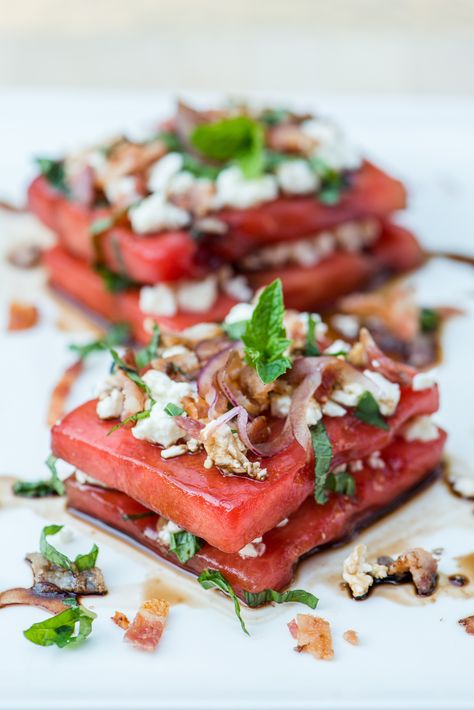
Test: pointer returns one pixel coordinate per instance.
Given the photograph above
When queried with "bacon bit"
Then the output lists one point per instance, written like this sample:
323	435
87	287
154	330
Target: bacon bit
468	623
120	620
60	393
313	635
421	565
30	597
147	627
22	316
393	306
25	256
351	637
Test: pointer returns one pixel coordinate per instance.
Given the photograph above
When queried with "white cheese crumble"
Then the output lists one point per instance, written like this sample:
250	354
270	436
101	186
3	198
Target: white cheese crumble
122	190
296	177
423	381
173	451
239	312
420	429
110	404
256	548
159	300
234	190
387	394
84	479
280	407
375	460
359	574
197	296
461	480
337	347
238	288
160	427
155	213
283	522
347	325
332	409
226	450
356	466
332	147
164	533
349	394
163	171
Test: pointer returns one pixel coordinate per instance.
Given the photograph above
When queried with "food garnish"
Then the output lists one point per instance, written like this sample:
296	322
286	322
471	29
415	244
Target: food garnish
351	637
147	628
69	628
117	335
368	411
50	553
121	620
313	635
39	489
22	316
322	449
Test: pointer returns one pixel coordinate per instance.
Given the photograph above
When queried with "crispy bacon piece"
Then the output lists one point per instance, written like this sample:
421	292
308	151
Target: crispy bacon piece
147	627
313	635
61	391
120	620
421	565
32	597
468	623
22	316
351	637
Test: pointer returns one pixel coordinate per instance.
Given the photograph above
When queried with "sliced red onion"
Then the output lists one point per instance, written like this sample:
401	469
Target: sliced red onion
393	371
190	426
299	404
206	378
234	395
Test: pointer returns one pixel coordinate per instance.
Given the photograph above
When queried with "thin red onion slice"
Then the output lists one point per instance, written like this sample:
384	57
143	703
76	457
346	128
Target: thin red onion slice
190	426
392	370
299	404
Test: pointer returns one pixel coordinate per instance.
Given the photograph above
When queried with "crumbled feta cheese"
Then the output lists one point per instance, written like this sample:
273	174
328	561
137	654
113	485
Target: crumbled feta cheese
234	190
349	394
359	574
201	331
283	522
110	405
180	183
163	171
84	479
420	429
164	533
332	147
256	548
296	326
356	466
375	460
226	450
347	325
387	394
321	131
296	177
313	413
423	381
337	347
154	214
122	190
174	350
238	288
331	409
66	535
197	296
159	300
461	480
280	405
172	451
160	427
340	469
349	237
239	312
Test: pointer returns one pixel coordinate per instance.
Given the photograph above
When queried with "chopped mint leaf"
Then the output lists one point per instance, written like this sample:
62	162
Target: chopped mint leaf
322	449
144	356
173	410
311	348
429	320
114	283
196	167
117	335
273	116
131	373
60	630
53	171
235	330
40	489
239	139
333	182
341	483
81	563
265	336
270	595
272	159
368	411
185	545
132	418
210	578
170	140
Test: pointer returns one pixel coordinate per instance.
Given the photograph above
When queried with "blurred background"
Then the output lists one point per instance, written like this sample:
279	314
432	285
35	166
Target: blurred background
340	46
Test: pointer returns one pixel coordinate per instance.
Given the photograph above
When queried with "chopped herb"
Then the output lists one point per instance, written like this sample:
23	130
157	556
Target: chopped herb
53	171
333	182
429	320
60	630
99	226
114	283
311	348
117	335
40	489
265	336
270	595
132	418
170	140
210	578
185	545
273	116
368	411
196	167
81	563
341	483
173	410
131	373
144	356
238	139
138	516
272	159
322	461
235	330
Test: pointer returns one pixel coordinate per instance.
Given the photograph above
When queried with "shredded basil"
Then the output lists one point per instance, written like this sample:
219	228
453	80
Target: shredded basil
128	420
114	283
50	553
270	595
322	449
196	167
333	182
53	171
210	579
138	516
185	545
311	348
117	335
60	630
274	116
173	410
131	373
343	483
429	320
144	356
40	489
368	411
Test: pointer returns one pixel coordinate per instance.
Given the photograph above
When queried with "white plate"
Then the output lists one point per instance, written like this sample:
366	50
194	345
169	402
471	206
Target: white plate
413	653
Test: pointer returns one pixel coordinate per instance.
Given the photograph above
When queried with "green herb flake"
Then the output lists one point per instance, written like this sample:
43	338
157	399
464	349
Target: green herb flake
50	553
60	630
138	516
265	336
270	595
368	411
196	167
235	331
131	373
144	356
101	225
169	139
274	116
117	335
53	171
311	347
210	579
239	139
333	182
114	283
342	482
184	545
128	420
173	410
322	449
40	489
429	320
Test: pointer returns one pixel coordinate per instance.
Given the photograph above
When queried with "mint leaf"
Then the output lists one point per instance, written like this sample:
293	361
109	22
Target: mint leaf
53	171
196	167
239	139
333	182
132	418
311	348
131	374
184	545
270	595
235	330
274	116
144	356
87	561
81	563
173	410
210	579
429	320
322	449
40	489
113	283
117	335
170	140
341	483
60	630
265	336
368	411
